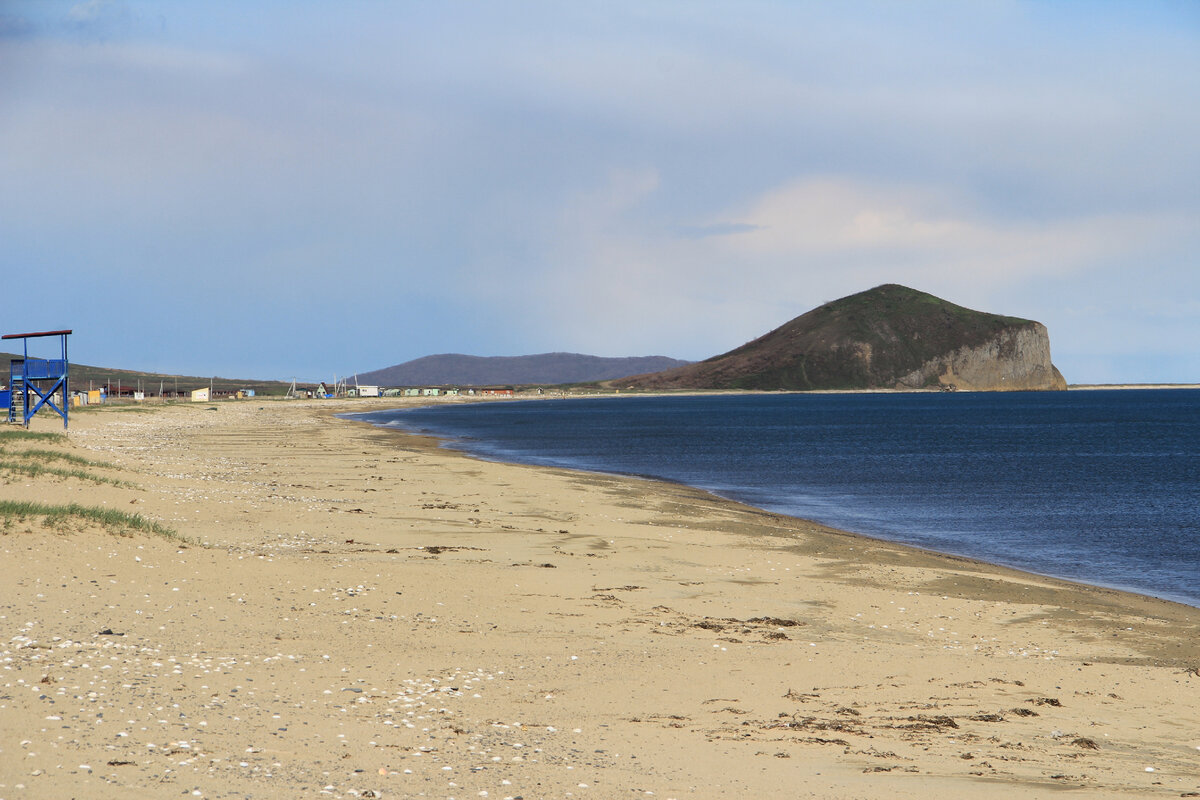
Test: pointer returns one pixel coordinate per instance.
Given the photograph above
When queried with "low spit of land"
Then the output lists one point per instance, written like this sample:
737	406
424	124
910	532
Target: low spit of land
259	599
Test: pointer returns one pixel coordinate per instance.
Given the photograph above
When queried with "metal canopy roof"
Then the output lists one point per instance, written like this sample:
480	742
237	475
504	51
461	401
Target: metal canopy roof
34	335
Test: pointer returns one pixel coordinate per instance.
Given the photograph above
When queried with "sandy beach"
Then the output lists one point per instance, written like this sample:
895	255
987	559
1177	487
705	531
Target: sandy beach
355	613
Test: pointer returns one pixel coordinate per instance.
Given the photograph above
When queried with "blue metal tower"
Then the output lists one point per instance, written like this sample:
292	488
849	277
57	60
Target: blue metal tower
37	377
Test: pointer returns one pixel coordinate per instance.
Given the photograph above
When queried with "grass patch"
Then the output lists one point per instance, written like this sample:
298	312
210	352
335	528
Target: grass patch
21	435
118	522
54	455
107	408
34	470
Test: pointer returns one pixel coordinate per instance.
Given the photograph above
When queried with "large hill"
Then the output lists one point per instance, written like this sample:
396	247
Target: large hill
889	337
453	369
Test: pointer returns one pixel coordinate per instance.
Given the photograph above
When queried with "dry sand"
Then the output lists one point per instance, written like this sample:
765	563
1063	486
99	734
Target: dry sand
362	615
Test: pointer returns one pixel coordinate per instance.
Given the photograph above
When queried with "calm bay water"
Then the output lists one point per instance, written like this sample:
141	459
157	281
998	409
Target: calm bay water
1097	486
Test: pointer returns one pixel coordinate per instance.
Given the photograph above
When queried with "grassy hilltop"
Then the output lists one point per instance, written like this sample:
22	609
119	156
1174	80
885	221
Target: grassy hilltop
885	337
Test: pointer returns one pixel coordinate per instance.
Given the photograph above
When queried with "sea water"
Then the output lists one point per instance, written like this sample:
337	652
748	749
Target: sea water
1096	486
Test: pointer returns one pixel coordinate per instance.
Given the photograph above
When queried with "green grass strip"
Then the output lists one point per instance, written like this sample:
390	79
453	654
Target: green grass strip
18	434
39	470
111	519
55	455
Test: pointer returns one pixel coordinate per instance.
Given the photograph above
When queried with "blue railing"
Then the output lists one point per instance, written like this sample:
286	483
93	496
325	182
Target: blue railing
44	368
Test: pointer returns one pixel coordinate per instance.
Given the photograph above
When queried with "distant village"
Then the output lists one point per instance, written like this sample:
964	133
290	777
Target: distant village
35	383
341	390
122	392
205	394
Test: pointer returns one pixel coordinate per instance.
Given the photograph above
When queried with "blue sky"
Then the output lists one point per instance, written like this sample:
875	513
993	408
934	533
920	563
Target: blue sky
308	189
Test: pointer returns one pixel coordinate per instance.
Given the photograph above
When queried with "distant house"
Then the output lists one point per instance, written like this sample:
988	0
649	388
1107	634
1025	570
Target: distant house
496	392
412	392
201	395
430	392
368	391
452	391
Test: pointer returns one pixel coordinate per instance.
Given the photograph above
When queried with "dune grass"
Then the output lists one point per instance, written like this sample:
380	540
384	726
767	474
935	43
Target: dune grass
22	435
36	470
33	462
58	516
55	455
36	462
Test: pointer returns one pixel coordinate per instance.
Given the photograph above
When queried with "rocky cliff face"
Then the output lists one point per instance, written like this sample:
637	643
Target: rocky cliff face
889	337
1017	359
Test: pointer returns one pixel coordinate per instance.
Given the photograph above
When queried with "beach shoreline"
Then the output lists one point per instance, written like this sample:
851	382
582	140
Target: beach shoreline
467	435
442	444
542	627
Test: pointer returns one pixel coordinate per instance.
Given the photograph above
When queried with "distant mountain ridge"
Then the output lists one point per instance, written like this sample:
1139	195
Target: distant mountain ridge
889	337
455	369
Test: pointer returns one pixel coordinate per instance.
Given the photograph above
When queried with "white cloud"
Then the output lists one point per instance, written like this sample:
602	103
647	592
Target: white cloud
88	11
620	285
874	228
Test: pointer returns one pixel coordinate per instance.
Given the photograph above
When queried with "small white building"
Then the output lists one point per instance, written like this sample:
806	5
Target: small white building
200	395
368	391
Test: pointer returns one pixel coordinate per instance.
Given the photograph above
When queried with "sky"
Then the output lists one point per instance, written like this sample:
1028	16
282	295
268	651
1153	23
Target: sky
313	189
